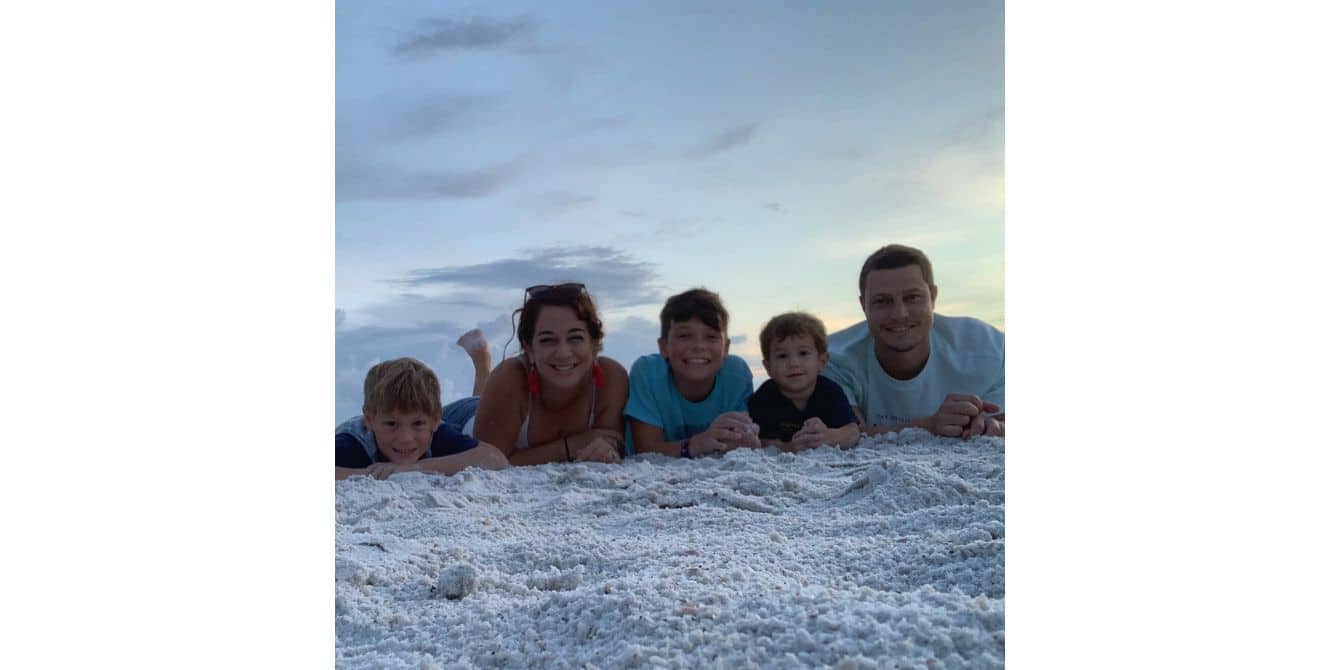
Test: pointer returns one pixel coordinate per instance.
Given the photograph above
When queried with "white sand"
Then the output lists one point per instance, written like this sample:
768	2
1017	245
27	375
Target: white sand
889	555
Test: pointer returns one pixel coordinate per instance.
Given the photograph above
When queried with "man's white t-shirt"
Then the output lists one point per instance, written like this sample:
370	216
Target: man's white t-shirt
967	356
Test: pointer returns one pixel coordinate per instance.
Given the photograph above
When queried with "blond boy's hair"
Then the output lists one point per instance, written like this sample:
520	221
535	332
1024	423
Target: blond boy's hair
792	324
401	385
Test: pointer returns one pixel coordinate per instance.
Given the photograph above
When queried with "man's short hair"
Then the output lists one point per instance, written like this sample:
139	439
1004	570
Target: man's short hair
793	324
695	302
896	256
401	385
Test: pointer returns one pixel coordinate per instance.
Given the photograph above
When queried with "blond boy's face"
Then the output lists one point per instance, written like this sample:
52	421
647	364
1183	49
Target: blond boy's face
403	437
794	363
694	350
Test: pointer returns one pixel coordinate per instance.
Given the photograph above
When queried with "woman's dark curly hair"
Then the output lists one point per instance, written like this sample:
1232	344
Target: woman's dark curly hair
560	295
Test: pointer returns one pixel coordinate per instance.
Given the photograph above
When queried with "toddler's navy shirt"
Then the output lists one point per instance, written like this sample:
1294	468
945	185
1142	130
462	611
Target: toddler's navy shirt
779	419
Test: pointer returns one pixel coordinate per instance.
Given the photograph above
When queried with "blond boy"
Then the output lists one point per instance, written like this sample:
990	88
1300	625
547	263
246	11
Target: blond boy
401	429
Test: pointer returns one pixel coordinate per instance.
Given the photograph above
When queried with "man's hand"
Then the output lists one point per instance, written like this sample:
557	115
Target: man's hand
813	433
599	450
961	414
983	424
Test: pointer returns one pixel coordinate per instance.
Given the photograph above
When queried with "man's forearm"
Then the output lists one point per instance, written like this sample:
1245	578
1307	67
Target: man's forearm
923	423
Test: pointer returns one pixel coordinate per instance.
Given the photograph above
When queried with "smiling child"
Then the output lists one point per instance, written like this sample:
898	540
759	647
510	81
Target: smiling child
689	400
797	409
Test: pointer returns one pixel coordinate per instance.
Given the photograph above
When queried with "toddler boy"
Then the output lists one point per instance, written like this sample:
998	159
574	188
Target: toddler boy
798	409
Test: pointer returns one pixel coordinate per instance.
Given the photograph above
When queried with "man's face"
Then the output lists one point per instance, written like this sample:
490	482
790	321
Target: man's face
899	307
403	437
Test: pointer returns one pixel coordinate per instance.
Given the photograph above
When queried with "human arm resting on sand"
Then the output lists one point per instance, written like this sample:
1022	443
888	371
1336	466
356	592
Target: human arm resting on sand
815	434
500	417
603	442
728	431
483	455
959	416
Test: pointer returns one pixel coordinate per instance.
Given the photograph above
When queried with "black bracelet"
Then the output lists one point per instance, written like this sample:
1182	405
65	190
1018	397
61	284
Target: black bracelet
684	451
565	449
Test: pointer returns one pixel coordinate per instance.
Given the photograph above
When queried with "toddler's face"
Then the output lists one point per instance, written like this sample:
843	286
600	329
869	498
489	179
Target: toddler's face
794	363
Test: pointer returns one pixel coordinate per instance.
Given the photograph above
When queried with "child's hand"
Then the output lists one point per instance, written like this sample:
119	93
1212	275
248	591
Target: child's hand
734	429
812	433
383	470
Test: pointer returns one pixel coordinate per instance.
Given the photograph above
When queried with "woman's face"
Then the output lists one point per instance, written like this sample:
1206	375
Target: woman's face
561	350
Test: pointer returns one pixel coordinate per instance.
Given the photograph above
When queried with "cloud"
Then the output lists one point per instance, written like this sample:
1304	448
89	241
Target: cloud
357	180
425	325
557	203
612	276
441	35
629	339
678	228
774	206
432	116
357	349
725	140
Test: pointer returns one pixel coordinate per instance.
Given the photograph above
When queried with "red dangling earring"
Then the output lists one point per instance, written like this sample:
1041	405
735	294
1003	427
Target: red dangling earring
598	374
533	381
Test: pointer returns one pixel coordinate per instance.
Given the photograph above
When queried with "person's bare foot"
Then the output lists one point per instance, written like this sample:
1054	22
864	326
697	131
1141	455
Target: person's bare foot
474	344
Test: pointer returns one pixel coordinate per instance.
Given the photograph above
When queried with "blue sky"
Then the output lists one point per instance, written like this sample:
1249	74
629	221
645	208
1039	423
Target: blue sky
762	150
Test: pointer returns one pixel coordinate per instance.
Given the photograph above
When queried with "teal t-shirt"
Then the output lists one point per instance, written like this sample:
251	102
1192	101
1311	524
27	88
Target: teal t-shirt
967	356
654	400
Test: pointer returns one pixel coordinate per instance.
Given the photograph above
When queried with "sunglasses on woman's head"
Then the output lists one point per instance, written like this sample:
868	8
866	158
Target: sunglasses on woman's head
541	290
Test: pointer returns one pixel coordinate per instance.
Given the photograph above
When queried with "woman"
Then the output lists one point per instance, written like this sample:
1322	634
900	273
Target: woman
558	400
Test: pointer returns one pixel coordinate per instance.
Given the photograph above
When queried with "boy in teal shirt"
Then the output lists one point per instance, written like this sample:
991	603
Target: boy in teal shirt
690	399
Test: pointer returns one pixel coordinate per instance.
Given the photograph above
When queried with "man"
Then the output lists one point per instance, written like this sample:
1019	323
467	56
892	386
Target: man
909	367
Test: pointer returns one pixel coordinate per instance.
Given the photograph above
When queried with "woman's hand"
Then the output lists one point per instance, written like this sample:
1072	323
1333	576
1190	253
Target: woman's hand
599	450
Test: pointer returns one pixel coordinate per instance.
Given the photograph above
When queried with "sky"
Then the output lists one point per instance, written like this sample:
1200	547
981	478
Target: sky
761	150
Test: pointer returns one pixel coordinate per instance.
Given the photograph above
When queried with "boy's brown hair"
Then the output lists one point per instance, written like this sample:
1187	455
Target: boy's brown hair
695	302
792	324
401	385
894	256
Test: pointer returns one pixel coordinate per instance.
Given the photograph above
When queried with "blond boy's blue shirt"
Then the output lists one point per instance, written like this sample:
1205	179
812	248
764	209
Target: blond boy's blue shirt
654	400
